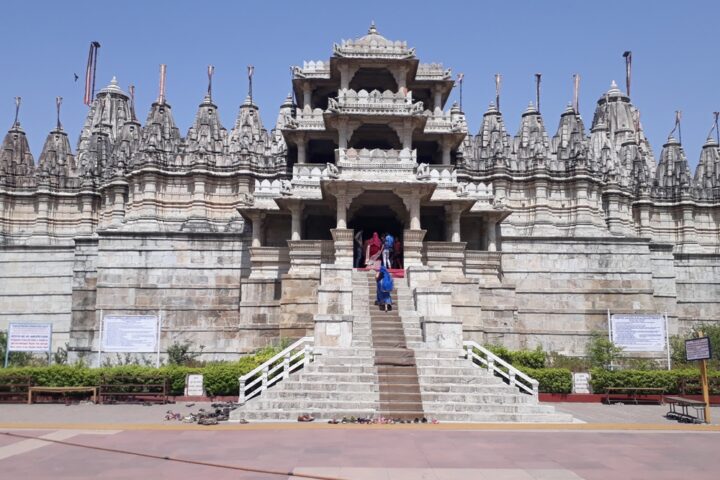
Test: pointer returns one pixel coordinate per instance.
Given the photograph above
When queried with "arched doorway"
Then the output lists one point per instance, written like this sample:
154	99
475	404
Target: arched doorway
382	212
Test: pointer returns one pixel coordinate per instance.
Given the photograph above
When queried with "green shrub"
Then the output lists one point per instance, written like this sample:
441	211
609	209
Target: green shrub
520	358
221	378
672	381
552	380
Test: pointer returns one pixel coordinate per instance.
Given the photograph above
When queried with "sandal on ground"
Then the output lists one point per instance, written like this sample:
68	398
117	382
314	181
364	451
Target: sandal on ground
306	418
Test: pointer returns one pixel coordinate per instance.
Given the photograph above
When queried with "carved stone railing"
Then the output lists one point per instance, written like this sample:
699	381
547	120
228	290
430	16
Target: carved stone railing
306	119
305	256
444	123
374	103
352	157
443	175
449	256
380	49
309	173
433	71
279	367
481	356
483	265
267	188
312	69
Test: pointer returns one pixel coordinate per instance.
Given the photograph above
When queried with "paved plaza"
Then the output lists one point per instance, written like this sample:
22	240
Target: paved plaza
126	441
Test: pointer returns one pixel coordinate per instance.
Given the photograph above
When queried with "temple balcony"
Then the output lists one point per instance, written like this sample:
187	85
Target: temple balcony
312	69
445	123
306	119
432	72
385	103
376	164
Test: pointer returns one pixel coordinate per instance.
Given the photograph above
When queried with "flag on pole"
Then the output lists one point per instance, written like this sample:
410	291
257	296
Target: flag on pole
628	70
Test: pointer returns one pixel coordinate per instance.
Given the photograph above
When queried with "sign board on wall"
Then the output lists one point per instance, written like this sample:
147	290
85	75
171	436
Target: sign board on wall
581	383
639	333
194	385
130	333
698	349
29	337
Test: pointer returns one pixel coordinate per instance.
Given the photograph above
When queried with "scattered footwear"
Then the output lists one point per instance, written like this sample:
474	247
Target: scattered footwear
207	421
306	418
243	421
189	404
334	421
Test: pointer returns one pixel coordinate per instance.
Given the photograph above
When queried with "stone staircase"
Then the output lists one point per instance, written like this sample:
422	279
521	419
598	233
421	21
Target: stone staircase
389	372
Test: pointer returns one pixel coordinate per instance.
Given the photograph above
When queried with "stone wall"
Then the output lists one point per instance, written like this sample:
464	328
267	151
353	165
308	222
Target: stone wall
36	286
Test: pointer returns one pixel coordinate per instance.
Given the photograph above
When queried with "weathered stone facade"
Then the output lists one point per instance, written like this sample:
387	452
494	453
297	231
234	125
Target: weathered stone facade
244	236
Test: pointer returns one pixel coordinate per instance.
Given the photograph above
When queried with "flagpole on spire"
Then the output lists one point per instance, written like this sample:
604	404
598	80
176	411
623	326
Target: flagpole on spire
717	132
678	116
576	93
210	72
90	73
498	81
538	76
628	70
58	103
163	74
18	101
251	71
460	78
131	88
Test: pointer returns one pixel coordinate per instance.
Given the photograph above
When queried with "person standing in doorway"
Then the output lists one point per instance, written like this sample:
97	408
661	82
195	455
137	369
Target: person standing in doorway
398	254
373	251
388	248
385	286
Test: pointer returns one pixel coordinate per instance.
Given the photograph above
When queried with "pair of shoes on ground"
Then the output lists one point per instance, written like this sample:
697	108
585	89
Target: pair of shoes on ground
207	421
243	421
305	418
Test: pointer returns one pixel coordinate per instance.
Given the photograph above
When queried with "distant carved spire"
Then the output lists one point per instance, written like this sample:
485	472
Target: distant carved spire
707	175
570	142
56	159
16	160
160	139
492	142
248	134
673	171
206	137
531	144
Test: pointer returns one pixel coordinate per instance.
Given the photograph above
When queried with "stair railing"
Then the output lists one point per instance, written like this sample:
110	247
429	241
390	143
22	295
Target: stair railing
481	356
279	367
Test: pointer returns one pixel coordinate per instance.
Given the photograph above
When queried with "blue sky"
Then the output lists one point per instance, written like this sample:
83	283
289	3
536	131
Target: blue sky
674	44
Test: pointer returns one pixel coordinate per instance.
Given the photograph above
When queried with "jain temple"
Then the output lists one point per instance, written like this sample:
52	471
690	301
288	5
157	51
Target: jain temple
243	236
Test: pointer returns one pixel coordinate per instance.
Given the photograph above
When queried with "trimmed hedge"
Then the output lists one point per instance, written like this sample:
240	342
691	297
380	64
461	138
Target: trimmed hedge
673	381
552	380
520	358
220	378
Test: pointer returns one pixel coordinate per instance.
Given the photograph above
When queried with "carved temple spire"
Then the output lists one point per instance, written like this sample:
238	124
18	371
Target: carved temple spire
248	135
16	160
160	138
56	159
492	142
707	175
206	136
673	171
618	118
570	142
531	144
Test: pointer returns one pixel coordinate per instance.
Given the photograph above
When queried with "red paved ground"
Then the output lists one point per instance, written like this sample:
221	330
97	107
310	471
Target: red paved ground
589	455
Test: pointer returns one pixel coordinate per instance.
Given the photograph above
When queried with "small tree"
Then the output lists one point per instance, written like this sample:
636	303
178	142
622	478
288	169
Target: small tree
182	354
601	351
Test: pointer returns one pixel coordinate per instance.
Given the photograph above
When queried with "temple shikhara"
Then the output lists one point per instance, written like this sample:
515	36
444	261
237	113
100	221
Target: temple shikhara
244	236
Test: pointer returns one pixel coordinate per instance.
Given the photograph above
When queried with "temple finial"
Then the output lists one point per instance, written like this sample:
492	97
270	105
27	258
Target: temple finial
58	103
372	30
251	72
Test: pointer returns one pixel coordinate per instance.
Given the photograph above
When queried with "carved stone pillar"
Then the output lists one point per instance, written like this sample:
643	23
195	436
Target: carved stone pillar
438	100
257	227
307	95
491	235
412	246
296	211
343	246
446	158
302	150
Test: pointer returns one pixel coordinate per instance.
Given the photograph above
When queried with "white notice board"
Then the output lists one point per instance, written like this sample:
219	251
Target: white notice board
130	333
639	333
29	337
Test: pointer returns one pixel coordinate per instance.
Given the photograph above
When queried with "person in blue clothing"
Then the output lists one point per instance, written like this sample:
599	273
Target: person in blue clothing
384	288
388	244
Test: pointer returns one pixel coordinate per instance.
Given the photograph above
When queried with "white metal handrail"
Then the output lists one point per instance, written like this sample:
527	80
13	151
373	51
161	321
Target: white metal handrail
279	367
487	359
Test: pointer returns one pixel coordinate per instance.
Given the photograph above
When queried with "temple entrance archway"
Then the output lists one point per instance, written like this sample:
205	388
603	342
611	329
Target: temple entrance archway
377	211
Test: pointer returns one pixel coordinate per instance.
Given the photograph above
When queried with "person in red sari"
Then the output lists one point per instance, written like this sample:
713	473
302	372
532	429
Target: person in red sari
373	250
